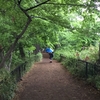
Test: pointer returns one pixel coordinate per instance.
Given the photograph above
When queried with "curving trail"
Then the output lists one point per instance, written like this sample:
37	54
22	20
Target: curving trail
50	81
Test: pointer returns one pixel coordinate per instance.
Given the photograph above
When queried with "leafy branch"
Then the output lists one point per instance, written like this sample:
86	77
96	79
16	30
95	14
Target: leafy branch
37	5
70	4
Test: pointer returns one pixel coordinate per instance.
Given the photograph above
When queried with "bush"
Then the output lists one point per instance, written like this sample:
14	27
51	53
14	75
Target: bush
7	85
97	81
38	57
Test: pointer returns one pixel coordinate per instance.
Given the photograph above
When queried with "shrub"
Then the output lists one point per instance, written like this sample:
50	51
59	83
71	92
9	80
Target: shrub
7	85
38	57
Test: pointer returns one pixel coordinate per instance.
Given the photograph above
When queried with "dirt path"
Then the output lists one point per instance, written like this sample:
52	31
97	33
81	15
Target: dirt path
50	81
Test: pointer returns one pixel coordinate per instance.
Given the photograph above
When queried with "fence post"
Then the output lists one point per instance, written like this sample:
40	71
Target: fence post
86	69
18	74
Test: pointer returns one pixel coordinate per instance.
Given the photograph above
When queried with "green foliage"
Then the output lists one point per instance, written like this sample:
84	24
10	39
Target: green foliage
32	59
67	54
49	23
57	55
91	52
38	57
95	81
7	85
78	69
73	24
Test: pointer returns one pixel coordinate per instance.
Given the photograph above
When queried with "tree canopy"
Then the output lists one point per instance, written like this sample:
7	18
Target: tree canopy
25	23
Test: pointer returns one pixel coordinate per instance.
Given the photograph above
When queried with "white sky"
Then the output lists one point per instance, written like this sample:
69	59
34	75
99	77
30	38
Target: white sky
97	5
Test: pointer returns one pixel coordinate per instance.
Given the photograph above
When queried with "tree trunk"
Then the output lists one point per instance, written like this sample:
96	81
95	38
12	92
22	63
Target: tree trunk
21	50
8	63
98	61
37	49
12	47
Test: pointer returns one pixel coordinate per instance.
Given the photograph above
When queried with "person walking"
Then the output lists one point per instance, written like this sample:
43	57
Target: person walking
50	52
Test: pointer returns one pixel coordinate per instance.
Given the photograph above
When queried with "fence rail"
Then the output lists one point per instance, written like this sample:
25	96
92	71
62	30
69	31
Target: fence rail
19	71
85	68
90	68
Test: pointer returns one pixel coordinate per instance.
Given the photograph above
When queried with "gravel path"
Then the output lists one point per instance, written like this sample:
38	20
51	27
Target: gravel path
51	81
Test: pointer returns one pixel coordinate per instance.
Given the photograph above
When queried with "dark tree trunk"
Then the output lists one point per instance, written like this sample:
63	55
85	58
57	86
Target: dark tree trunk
37	49
21	50
12	47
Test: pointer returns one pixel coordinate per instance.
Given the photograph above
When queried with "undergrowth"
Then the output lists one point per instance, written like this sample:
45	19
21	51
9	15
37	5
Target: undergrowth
8	83
78	69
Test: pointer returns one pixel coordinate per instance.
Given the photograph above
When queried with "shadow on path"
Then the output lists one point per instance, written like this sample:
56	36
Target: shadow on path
50	81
